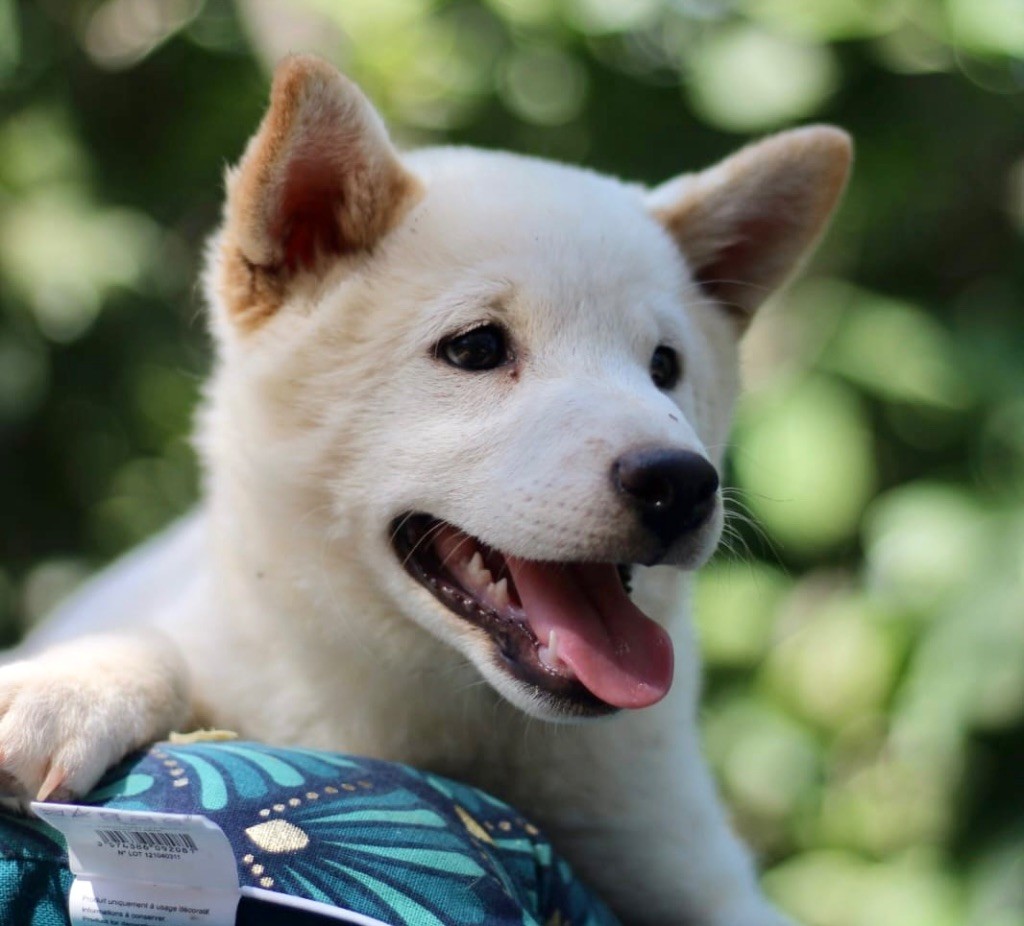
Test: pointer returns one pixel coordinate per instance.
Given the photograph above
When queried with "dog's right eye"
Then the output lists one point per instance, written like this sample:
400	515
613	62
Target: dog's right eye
483	348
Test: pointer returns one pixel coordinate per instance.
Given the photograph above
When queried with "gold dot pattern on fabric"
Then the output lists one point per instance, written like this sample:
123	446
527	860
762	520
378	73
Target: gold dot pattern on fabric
472	827
266	882
278	836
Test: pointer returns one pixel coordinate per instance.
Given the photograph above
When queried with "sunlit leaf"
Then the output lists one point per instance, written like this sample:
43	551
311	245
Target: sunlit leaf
804	458
837	666
746	79
735	606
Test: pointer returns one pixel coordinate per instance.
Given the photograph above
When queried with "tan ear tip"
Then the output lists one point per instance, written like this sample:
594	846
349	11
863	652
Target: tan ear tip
826	150
820	138
831	139
302	65
294	73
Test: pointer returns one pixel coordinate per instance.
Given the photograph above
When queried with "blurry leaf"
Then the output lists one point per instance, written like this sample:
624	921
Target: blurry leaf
789	334
987	26
24	374
120	33
804	460
767	760
966	673
545	86
10	40
62	254
897	351
911	49
838	888
924	542
601	16
1001	450
735	606
889	805
526	12
1015	194
146	495
37	146
997	884
424	66
840	665
164	398
833	19
746	80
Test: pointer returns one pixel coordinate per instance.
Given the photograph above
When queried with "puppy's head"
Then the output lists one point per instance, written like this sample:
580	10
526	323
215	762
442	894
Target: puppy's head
496	383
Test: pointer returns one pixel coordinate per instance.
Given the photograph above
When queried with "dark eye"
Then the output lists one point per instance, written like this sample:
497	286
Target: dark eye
483	348
665	367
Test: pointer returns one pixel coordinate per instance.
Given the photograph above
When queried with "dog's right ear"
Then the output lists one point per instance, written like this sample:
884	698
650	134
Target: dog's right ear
319	180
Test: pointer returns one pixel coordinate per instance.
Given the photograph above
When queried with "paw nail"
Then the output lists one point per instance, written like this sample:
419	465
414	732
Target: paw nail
55	778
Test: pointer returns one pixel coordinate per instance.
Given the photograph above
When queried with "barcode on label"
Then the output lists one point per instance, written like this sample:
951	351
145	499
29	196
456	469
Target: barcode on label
135	839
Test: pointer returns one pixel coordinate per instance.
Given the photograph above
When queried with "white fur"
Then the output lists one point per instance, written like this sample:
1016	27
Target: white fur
326	422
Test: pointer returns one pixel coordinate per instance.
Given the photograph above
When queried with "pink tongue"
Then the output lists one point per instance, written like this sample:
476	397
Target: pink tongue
616	651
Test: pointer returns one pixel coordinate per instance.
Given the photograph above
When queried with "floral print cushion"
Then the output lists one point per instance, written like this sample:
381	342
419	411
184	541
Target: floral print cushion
385	840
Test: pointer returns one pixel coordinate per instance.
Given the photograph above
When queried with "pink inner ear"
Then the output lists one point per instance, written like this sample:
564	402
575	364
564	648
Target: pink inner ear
750	258
307	218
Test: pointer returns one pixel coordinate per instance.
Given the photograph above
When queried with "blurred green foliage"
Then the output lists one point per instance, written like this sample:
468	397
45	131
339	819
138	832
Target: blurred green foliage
864	626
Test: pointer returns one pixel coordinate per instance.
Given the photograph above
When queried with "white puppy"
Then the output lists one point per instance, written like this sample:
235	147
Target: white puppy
459	395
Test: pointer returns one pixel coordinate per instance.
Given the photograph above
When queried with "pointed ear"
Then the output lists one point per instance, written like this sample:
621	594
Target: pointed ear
745	224
319	180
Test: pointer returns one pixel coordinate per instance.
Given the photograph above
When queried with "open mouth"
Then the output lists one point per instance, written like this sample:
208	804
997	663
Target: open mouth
568	629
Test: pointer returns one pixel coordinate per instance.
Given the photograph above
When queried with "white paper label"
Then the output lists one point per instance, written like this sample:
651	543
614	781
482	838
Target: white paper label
136	868
132	903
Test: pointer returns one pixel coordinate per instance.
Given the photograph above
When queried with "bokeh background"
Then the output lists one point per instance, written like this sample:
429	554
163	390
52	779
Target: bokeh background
864	625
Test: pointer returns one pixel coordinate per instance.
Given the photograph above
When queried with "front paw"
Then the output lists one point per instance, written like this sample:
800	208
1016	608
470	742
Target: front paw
61	727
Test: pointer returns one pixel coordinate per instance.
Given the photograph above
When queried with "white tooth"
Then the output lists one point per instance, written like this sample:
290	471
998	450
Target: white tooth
548	655
479	574
553	647
499	594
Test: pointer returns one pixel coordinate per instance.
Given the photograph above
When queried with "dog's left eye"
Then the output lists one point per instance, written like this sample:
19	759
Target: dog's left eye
665	367
483	348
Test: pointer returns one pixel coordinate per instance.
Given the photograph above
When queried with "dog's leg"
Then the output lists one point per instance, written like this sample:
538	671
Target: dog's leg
70	712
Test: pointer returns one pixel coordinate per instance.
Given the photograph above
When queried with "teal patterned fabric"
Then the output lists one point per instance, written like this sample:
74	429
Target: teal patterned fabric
385	840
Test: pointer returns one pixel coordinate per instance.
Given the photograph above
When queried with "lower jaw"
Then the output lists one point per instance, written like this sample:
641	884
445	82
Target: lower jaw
513	647
566	699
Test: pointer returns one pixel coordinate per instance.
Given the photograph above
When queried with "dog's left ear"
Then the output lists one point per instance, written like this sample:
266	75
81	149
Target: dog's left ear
319	180
745	224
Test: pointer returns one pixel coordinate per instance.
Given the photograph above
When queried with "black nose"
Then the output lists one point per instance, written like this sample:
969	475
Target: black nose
673	491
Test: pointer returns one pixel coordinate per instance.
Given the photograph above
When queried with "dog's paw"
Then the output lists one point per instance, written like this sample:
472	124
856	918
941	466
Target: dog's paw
70	713
58	730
